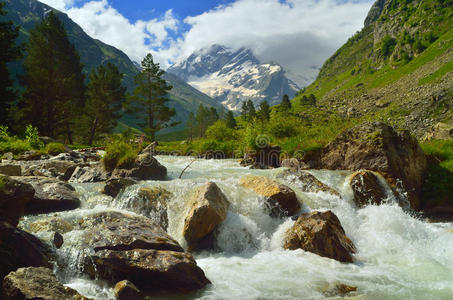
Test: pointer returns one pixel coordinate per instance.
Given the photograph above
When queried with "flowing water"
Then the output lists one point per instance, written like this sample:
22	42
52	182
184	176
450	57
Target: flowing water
399	256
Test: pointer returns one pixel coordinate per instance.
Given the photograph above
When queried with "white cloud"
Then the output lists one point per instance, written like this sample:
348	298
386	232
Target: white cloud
299	34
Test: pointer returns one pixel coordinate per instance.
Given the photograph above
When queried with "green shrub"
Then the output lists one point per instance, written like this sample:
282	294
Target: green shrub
4	135
32	136
14	145
387	45
119	154
55	148
219	131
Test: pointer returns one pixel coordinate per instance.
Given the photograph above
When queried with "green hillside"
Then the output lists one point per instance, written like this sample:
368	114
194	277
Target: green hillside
400	63
27	13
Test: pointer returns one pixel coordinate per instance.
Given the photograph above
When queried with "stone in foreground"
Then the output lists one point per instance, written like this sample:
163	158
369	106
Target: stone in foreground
36	283
208	208
320	233
281	200
14	195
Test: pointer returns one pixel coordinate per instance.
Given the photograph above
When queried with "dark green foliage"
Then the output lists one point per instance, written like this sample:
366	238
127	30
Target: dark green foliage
219	131
55	148
387	45
32	136
264	114
286	104
150	98
230	121
120	153
54	82
9	52
105	96
204	118
191	126
248	110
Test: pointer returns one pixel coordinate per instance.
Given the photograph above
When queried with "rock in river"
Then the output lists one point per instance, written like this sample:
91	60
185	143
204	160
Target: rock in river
13	197
320	233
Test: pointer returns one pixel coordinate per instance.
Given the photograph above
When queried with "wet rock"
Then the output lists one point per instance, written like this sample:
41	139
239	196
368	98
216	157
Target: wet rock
367	189
294	164
56	224
51	195
264	158
30	155
145	167
340	290
310	184
126	290
152	202
133	247
10	169
281	200
95	173
21	249
113	186
377	147
208	208
37	283
14	195
322	234
57	240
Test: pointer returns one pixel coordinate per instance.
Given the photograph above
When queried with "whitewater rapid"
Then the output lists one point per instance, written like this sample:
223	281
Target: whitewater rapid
399	256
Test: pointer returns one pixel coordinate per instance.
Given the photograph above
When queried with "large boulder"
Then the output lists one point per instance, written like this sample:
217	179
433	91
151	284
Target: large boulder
208	208
21	249
51	195
280	199
320	233
310	184
145	167
113	186
10	169
367	189
377	147
133	247
36	283
13	197
152	202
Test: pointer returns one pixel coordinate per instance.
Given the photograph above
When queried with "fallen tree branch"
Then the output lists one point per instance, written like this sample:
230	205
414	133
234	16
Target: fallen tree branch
186	168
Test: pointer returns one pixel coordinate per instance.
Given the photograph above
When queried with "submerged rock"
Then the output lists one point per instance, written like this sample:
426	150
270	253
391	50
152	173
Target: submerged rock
310	184
133	247
367	189
208	209
281	200
21	249
153	203
322	234
49	224
377	147
14	195
126	290
51	195
37	283
113	186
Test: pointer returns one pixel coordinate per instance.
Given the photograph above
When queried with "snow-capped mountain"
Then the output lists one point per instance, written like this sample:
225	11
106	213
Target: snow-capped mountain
232	77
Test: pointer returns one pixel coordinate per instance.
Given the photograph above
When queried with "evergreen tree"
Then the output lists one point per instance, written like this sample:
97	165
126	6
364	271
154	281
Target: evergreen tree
191	125
230	121
251	112
244	110
213	116
150	97
264	113
54	81
312	99
286	104
105	96
9	52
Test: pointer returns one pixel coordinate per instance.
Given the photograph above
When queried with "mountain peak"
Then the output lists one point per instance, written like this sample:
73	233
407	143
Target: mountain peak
232	76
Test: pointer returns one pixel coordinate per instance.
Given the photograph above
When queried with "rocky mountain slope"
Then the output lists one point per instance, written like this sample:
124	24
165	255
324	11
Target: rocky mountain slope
231	77
398	67
27	13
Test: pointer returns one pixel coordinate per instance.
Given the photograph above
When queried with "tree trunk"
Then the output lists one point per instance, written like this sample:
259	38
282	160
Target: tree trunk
92	131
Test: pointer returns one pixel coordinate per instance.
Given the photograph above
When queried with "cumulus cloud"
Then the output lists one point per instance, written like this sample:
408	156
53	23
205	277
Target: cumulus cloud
298	34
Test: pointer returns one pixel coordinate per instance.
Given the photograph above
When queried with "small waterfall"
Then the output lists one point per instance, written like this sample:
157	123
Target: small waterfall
398	255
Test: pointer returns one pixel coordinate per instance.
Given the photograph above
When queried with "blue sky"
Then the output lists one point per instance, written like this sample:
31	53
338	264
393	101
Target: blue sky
298	34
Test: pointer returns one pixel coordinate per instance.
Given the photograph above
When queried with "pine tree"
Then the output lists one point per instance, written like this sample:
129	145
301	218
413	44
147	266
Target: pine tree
264	113
312	99
202	120
251	112
190	127
105	96
286	104
230	121
244	110
150	97
54	81
9	52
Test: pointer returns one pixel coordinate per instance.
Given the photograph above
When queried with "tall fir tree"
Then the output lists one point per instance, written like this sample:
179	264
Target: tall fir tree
191	126
251	111
230	121
105	96
244	110
9	52
53	79
150	97
286	103
264	114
